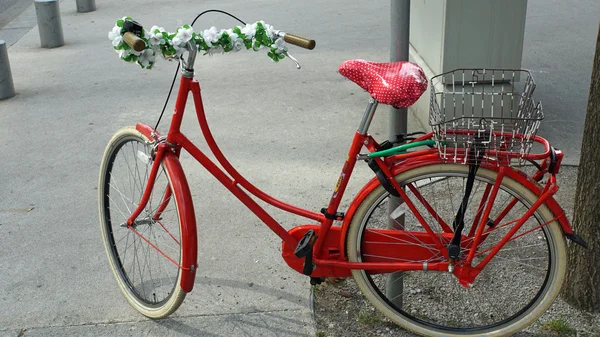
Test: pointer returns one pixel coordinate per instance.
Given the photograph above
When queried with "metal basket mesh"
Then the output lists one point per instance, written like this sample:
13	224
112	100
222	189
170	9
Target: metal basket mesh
489	110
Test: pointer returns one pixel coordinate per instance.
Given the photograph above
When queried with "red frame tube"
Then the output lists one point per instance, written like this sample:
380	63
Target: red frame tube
486	215
541	200
482	203
149	187
430	209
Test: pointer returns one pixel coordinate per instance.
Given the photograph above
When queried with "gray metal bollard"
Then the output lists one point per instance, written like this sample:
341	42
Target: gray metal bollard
49	24
84	6
398	118
7	89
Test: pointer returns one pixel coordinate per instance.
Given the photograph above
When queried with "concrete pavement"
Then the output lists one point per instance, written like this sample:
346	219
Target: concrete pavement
287	130
10	9
560	37
17	18
295	125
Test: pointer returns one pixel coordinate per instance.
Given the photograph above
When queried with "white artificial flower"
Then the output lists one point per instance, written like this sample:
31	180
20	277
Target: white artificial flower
210	36
117	41
126	52
269	29
147	57
184	34
116	31
123	53
115	36
155	37
249	30
156	40
156	29
215	50
236	43
280	45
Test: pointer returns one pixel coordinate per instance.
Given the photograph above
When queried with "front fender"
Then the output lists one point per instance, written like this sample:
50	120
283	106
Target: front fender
425	160
146	130
187	219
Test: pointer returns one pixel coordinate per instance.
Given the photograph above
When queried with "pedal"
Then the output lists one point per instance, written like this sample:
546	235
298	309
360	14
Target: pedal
305	249
305	244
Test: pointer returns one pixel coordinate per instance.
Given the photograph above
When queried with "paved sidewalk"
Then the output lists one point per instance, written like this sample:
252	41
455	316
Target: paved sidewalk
288	131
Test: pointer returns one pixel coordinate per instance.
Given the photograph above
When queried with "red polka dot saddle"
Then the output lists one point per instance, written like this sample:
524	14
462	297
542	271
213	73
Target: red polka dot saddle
399	84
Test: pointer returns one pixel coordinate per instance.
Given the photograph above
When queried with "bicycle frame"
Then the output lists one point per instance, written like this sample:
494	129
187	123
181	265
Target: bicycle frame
329	249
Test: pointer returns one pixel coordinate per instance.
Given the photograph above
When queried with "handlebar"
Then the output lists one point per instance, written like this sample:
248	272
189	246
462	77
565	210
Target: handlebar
138	44
134	41
135	37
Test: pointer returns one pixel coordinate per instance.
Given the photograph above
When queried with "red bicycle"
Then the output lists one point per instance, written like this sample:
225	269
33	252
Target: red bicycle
448	239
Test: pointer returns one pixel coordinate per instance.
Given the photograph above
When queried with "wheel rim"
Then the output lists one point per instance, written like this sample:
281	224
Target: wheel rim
508	287
145	255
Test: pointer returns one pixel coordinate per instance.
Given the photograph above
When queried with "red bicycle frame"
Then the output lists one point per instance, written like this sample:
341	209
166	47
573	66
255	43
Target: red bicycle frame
329	249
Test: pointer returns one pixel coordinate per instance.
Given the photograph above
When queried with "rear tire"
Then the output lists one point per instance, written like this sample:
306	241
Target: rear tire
148	279
505	298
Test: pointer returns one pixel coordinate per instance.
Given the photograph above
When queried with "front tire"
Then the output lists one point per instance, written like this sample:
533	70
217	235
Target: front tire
145	257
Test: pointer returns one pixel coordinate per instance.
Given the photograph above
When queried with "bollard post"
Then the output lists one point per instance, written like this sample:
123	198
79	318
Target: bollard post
7	89
49	23
84	6
398	118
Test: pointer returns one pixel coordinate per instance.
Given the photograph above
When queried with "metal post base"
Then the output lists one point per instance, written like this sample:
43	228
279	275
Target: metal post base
7	89
49	23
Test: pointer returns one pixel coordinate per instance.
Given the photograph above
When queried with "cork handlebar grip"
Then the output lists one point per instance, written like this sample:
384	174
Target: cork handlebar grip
299	41
134	41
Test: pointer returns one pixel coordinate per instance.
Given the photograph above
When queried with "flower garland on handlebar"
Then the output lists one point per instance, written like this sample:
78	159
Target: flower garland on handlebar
169	45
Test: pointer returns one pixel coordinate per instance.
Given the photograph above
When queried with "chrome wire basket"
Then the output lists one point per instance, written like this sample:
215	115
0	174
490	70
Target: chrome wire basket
489	110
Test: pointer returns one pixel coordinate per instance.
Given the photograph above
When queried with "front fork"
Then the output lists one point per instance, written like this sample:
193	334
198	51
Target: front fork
157	156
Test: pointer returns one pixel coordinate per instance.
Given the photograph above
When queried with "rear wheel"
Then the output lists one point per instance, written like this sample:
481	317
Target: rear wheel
511	292
146	256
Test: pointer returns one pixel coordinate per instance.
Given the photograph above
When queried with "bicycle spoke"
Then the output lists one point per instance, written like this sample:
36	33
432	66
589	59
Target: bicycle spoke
124	198
119	209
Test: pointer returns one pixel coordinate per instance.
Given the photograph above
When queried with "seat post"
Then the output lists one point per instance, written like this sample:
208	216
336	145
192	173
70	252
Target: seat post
368	116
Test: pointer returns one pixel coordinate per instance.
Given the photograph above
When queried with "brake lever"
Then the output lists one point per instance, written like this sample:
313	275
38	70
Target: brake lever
298	66
281	34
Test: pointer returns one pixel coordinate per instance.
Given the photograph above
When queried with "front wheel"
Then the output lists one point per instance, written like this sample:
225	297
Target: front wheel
511	292
144	257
